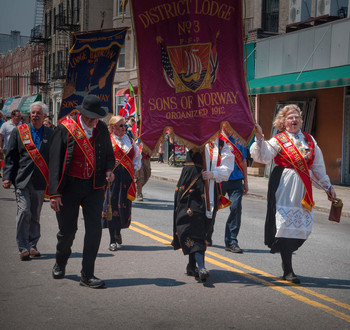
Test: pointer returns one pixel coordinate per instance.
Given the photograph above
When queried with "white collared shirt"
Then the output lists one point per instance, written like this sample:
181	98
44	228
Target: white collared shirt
88	131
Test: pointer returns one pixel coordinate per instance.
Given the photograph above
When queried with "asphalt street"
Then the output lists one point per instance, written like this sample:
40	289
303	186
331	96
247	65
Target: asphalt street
146	284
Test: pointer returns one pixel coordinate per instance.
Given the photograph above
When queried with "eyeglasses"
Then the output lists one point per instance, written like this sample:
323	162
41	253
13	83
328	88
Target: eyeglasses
293	118
122	125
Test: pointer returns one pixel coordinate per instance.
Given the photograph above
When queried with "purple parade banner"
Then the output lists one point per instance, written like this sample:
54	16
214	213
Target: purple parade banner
191	70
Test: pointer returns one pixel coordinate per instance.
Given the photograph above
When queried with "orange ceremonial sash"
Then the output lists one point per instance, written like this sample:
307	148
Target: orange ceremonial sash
34	153
300	166
235	150
81	139
127	163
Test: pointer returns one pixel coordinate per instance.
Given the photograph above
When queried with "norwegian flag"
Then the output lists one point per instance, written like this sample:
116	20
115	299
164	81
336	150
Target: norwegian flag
125	100
129	107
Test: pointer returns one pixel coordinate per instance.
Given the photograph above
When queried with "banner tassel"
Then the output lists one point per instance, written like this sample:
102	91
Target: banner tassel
109	214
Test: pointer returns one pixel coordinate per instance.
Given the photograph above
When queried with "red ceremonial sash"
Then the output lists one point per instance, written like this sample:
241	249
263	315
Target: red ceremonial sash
300	166
81	139
211	154
235	150
34	153
127	163
222	200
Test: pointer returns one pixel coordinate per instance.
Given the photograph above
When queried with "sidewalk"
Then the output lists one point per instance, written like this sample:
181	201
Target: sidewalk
258	187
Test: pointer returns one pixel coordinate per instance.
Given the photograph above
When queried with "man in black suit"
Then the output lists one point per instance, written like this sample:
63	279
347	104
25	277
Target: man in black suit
81	160
26	166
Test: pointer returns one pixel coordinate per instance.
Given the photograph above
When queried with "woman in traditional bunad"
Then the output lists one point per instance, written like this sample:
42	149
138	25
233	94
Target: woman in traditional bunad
289	201
122	190
191	215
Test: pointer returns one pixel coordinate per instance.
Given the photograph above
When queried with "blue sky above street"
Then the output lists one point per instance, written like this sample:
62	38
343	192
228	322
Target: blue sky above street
17	15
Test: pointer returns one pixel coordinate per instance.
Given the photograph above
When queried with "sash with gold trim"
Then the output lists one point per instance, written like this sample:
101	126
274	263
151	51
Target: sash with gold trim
34	153
235	150
127	163
300	165
81	139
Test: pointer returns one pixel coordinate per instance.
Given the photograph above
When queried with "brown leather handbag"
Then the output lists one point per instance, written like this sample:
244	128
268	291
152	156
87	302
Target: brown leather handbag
336	208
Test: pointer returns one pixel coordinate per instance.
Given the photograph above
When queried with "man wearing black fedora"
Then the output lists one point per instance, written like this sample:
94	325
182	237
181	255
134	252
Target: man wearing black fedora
81	161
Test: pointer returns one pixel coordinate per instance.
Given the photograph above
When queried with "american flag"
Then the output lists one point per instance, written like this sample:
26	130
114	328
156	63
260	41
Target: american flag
167	68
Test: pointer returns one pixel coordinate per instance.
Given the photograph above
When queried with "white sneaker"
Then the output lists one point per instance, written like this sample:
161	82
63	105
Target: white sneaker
139	197
112	247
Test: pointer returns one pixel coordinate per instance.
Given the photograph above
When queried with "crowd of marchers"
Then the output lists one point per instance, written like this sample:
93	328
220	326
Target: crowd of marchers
85	163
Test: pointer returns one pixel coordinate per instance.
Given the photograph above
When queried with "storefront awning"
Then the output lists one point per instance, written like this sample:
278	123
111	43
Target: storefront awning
6	110
308	80
124	91
121	91
15	104
24	106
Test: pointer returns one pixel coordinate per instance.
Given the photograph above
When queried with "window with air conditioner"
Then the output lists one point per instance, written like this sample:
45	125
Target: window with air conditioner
299	10
337	8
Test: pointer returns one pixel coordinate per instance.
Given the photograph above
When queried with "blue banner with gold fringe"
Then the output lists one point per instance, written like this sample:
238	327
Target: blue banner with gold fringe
92	64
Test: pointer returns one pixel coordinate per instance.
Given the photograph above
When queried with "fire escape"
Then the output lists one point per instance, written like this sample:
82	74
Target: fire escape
40	46
65	22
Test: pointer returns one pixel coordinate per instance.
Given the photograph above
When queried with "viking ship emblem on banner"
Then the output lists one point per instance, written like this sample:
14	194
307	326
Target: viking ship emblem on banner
190	67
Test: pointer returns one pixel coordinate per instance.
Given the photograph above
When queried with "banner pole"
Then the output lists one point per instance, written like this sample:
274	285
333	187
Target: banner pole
206	183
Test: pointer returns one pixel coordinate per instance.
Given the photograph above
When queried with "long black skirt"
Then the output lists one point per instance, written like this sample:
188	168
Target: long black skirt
277	244
190	224
121	205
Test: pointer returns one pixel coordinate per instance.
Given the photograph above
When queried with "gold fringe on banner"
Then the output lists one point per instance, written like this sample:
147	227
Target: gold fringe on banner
229	131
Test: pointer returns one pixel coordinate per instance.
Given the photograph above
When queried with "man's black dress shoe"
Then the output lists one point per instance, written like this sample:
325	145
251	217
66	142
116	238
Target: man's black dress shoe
58	271
291	277
91	282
